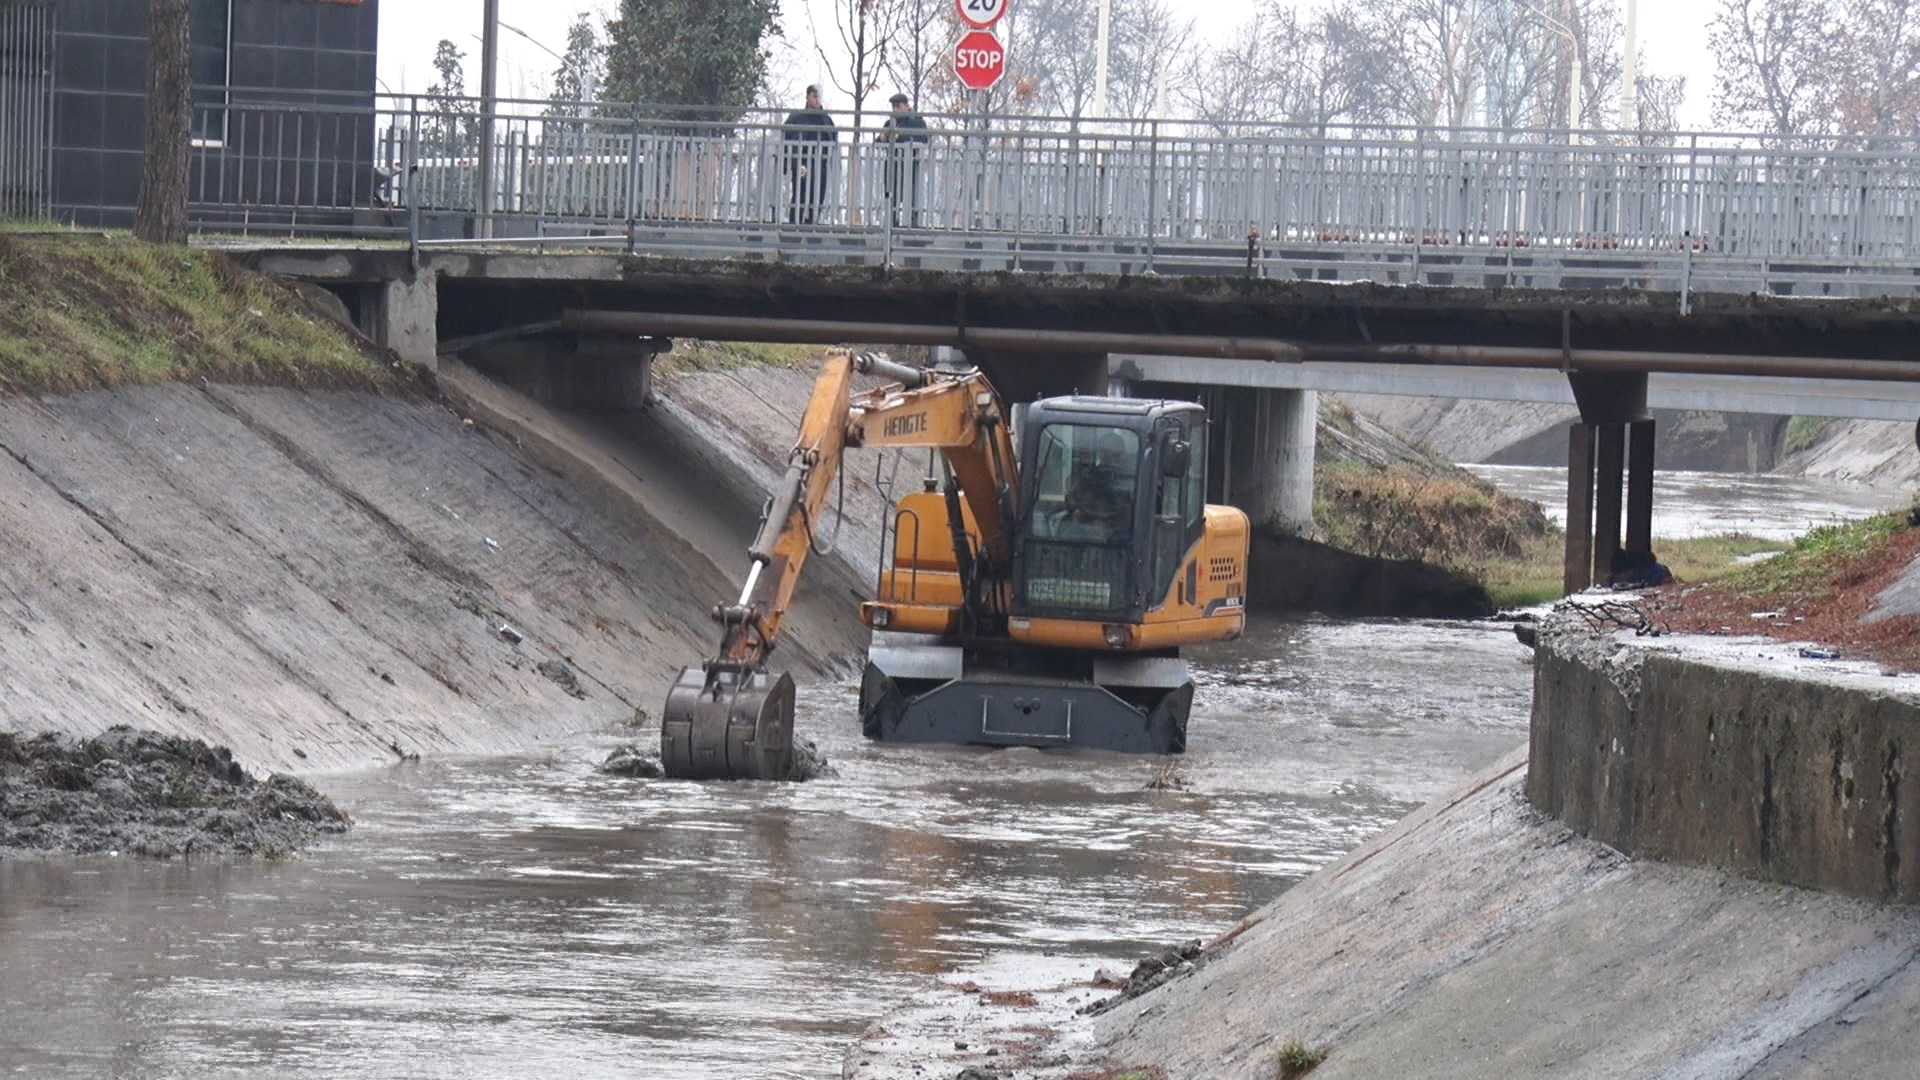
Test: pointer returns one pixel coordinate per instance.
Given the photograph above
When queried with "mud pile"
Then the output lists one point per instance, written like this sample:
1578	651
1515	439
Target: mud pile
145	793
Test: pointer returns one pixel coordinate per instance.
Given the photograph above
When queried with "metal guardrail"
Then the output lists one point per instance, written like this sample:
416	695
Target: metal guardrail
1687	213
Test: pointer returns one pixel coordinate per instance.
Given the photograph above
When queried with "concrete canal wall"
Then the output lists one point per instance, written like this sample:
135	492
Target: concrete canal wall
319	580
1711	899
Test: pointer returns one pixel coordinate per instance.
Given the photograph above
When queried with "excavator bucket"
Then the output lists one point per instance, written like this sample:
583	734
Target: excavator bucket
724	722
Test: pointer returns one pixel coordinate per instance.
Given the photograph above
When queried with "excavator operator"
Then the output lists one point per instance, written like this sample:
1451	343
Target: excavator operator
1100	496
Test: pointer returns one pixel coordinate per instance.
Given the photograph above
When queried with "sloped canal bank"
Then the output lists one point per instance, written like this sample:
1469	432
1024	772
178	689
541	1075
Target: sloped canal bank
528	914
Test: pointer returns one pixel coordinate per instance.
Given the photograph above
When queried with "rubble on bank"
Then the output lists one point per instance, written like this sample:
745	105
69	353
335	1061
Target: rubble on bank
135	792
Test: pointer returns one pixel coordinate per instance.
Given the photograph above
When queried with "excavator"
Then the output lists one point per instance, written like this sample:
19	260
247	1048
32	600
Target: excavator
1037	592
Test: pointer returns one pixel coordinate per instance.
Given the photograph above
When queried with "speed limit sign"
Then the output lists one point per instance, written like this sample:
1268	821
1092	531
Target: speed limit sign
981	14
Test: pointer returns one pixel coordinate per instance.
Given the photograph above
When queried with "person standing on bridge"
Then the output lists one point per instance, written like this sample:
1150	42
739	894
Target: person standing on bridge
905	135
810	141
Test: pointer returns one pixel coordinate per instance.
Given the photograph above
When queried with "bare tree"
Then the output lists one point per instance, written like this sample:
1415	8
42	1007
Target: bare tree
1657	103
161	217
1772	59
1228	85
1149	38
916	54
1876	64
866	28
1440	43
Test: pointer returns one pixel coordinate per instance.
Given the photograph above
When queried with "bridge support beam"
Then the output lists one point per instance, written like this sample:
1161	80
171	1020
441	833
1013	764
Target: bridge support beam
1610	407
1640	487
1267	456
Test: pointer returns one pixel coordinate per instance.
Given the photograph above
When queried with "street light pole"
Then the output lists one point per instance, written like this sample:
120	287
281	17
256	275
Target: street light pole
489	104
1630	71
1102	46
1573	64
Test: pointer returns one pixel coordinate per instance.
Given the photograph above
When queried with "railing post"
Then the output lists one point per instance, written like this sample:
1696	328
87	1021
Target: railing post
1153	188
1686	231
1019	199
409	179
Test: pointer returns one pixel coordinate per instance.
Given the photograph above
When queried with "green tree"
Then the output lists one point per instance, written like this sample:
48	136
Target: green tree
583	70
454	121
690	52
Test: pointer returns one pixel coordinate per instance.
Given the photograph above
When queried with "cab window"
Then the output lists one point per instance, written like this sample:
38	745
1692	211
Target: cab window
1087	478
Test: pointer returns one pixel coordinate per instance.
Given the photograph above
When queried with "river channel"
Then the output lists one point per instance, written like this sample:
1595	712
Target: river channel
530	916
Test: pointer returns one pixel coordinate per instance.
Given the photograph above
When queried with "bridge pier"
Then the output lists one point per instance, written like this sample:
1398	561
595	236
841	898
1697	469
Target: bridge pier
404	315
1266	452
1613	413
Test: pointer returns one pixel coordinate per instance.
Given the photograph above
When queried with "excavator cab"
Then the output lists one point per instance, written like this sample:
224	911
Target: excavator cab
1116	563
1114	501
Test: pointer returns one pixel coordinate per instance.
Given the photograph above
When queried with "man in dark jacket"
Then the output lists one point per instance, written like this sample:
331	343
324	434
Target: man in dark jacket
906	137
810	140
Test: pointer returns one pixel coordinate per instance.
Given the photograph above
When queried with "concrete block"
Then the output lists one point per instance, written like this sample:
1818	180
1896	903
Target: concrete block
1736	756
406	316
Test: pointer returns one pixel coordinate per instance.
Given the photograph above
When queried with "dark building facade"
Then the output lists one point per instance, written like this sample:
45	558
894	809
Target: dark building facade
254	157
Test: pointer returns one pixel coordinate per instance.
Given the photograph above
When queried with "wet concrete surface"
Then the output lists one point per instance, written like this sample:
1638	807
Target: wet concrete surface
530	915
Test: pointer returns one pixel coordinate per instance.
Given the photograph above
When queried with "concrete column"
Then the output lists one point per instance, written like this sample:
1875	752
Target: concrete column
1610	461
1579	561
405	317
1268	462
1640	487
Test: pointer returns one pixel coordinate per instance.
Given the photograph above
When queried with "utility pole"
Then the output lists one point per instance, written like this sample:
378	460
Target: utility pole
489	104
1630	72
1103	44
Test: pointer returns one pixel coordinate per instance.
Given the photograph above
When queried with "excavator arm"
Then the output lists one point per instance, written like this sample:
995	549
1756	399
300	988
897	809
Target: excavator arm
731	718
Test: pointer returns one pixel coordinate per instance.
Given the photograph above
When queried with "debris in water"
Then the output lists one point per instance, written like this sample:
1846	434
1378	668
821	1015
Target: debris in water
150	794
1171	776
809	762
634	762
563	677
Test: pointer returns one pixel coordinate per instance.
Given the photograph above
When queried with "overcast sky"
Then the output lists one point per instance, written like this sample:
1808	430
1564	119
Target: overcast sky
1673	35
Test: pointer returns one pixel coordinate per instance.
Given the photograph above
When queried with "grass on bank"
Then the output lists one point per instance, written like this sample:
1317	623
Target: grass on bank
690	356
1537	577
1453	519
1821	556
86	312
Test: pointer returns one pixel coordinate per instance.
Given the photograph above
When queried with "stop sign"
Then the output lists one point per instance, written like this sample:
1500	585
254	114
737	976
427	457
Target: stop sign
980	60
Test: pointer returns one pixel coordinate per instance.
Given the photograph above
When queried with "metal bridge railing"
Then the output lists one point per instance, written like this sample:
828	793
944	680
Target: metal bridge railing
26	107
1549	209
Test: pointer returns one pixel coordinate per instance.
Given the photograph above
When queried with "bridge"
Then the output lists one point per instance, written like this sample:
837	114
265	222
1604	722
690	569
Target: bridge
1611	269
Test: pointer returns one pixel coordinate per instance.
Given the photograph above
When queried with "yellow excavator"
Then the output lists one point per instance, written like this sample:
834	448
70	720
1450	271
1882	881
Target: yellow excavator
1036	593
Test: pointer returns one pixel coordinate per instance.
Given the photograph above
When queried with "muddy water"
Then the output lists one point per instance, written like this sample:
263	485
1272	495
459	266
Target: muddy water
528	916
1690	504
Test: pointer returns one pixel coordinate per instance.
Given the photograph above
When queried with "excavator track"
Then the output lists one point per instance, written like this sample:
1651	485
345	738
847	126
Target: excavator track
724	722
